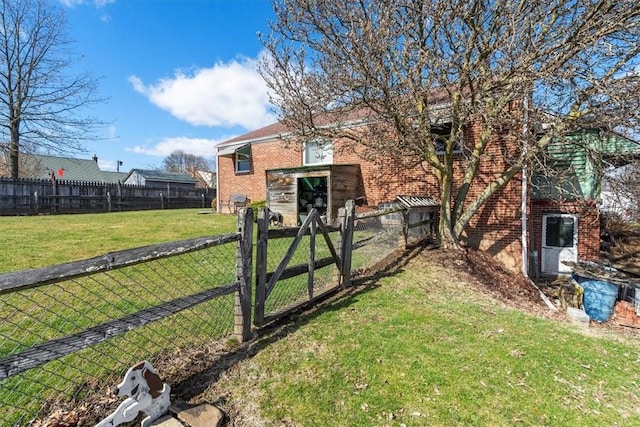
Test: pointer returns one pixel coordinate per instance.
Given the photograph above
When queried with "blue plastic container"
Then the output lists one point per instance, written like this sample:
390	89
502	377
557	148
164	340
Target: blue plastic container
599	297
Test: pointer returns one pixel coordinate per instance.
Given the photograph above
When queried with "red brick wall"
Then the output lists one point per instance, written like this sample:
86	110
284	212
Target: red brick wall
496	227
588	226
265	156
385	179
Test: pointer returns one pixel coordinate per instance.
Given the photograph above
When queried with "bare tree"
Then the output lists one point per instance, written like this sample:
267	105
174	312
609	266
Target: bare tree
29	166
621	191
41	100
181	162
407	67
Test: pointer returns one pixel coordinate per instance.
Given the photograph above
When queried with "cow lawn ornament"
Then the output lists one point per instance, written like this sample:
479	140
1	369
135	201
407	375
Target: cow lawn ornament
147	393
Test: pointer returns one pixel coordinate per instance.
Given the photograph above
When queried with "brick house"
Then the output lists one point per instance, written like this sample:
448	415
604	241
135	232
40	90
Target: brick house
564	208
524	235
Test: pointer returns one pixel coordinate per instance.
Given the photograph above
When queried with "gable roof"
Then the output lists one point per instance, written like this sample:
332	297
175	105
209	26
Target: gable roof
159	175
438	99
42	166
206	178
264	133
279	129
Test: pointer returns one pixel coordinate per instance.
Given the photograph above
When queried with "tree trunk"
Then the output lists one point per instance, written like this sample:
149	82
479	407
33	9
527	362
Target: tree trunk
446	236
14	151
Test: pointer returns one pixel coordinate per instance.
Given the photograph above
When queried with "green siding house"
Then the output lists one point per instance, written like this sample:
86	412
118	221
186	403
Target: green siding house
566	196
576	164
40	166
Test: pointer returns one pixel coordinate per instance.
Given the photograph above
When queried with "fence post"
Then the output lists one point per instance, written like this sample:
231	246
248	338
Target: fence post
341	221
403	238
161	201
347	242
55	194
119	195
261	266
35	202
242	323
108	201
312	252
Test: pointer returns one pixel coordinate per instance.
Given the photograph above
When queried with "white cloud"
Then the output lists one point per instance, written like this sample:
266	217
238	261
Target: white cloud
227	94
112	132
97	3
196	146
108	165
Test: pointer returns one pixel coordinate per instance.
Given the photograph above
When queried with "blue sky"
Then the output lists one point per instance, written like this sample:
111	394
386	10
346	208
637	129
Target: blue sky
178	74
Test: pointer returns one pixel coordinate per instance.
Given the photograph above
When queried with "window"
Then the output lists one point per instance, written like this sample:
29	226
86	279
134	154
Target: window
560	231
441	134
243	159
318	152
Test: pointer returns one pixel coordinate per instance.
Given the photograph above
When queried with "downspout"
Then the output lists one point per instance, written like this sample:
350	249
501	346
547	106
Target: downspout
524	185
523	209
217	184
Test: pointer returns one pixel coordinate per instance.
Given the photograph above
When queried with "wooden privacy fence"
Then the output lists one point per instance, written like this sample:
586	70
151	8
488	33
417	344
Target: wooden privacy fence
68	331
42	196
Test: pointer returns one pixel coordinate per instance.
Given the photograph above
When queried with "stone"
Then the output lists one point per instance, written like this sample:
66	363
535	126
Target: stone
578	317
204	415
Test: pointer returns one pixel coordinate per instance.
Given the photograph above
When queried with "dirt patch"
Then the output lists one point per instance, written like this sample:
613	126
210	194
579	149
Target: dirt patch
490	277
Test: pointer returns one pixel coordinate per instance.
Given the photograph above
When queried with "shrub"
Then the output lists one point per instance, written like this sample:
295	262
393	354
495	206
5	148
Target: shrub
256	206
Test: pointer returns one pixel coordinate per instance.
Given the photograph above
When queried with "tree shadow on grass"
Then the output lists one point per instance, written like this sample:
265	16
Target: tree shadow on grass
203	367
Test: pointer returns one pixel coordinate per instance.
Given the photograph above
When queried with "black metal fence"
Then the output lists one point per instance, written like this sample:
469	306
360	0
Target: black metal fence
53	196
67	332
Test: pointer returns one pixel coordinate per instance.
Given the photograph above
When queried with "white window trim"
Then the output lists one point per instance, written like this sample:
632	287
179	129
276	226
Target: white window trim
236	157
304	153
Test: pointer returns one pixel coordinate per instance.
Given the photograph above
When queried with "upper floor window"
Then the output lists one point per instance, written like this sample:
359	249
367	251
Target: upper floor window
441	134
243	159
318	152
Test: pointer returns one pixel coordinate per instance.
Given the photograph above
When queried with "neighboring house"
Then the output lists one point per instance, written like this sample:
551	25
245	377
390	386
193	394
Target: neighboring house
206	179
620	192
158	178
39	166
564	203
320	174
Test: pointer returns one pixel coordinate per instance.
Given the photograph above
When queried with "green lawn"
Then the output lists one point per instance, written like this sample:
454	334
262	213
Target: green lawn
423	348
33	316
39	241
76	304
